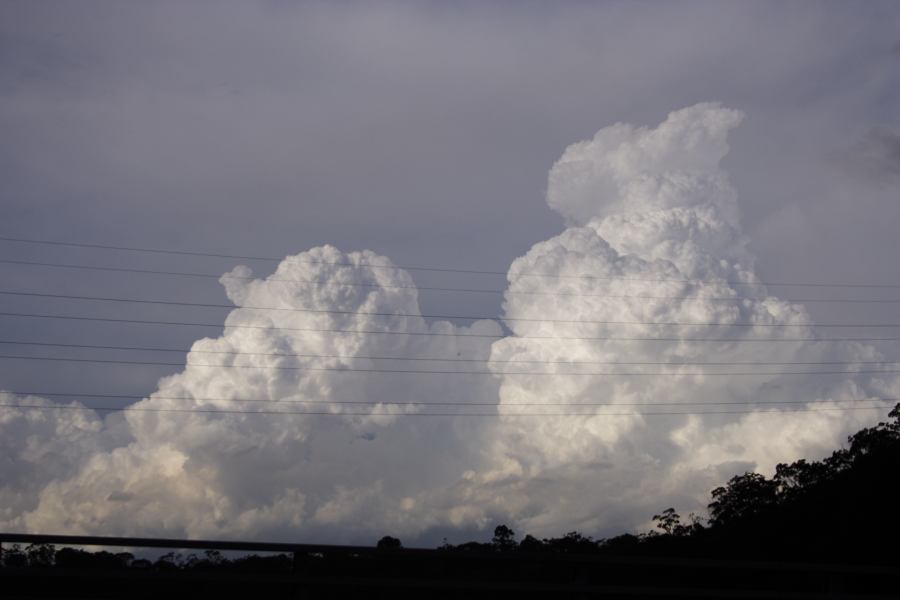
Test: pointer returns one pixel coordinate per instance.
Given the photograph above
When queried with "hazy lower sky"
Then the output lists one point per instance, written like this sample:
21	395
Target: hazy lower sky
425	133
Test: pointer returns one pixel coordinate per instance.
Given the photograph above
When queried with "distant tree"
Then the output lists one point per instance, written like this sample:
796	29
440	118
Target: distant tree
504	538
72	558
191	562
473	547
254	563
389	543
14	557
881	438
572	542
669	522
125	559
40	555
742	497
168	562
531	544
793	479
694	527
621	543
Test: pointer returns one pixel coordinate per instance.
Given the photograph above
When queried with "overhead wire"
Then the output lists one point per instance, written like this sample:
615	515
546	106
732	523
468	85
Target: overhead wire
422	288
441	359
381	411
434	316
471	290
446	334
430	333
436	372
420	268
220	411
436	403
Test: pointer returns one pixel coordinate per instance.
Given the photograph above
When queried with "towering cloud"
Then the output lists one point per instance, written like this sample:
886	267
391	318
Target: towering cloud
655	240
617	317
352	471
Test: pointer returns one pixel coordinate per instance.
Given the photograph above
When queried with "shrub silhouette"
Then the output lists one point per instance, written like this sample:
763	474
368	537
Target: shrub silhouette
389	543
504	538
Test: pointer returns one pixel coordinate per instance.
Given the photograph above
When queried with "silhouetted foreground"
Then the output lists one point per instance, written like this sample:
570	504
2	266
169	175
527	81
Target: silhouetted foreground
814	530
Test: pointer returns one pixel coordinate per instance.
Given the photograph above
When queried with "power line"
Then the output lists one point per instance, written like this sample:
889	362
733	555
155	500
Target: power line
447	359
434	372
441	334
434	316
242	257
427	414
441	289
439	403
266	327
418	268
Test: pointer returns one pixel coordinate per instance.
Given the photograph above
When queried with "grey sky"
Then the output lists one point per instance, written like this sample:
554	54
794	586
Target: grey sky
423	132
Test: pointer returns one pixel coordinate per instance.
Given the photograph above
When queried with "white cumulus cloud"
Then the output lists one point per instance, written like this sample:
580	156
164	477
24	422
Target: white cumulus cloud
654	237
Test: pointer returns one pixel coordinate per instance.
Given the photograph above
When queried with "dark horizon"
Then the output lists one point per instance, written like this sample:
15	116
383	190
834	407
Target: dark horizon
305	271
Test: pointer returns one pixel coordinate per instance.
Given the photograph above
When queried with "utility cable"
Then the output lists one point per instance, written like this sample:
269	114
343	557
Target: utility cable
442	334
447	359
419	268
442	289
427	414
434	316
435	372
438	403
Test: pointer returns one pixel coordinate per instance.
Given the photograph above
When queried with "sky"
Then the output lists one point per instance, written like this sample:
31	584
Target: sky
607	168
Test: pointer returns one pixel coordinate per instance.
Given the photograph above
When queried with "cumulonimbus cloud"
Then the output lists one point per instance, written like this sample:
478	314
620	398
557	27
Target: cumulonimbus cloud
654	237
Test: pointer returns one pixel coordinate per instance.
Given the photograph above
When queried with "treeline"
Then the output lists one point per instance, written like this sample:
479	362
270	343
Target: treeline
843	508
840	509
46	555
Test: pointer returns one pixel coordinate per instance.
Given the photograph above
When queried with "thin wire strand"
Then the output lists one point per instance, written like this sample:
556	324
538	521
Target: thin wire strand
418	268
429	414
450	359
433	372
454	335
442	289
436	316
439	403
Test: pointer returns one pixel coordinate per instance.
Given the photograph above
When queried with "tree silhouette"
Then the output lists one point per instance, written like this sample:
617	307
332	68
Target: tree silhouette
389	543
14	557
531	544
793	479
40	555
669	521
572	542
742	497
504	538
